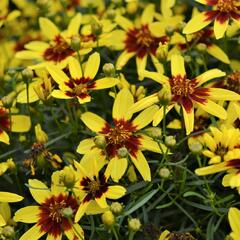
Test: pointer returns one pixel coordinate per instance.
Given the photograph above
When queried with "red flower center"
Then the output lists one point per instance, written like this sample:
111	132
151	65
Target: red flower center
79	87
58	50
94	187
121	136
88	38
227	6
51	218
4	120
141	41
233	82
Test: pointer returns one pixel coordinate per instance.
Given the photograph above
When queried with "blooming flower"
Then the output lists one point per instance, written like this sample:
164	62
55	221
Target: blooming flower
223	11
121	138
187	93
79	83
53	216
234	217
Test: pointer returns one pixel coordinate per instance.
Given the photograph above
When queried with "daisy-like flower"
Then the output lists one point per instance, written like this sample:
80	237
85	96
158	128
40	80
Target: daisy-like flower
58	50
234	221
188	93
138	40
220	143
79	84
122	138
222	12
17	123
95	188
53	216
6	197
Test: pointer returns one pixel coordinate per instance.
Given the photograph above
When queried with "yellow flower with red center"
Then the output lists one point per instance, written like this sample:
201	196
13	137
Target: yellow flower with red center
188	93
15	123
122	139
139	40
54	216
234	219
94	188
79	84
58	49
222	12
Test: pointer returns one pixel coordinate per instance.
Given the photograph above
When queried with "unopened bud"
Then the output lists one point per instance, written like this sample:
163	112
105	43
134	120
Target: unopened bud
187	58
111	14
164	96
153	132
164	172
109	70
8	231
27	74
170	141
162	51
11	72
196	147
68	177
201	47
96	27
134	224
75	43
116	208
122	152
42	3
108	218
199	61
100	141
67	212
169	30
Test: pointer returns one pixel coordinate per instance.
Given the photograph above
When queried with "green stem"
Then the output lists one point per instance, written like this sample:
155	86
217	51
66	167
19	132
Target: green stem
164	121
131	235
115	233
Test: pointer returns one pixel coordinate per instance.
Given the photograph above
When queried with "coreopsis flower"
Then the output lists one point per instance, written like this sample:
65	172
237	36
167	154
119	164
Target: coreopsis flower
95	188
122	139
188	93
223	11
138	40
219	143
79	84
58	49
13	123
233	218
53	216
6	197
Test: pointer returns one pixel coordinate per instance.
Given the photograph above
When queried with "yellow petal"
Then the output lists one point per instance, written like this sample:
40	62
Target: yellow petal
220	27
234	217
101	201
197	23
85	146
74	68
218	53
148	14
123	101
93	121
39	190
115	192
81	210
106	82
10	197
208	75
123	59
157	118
177	66
73	26
124	22
142	166
92	65
145	117
37	46
223	94
2	221
158	77
188	120
28	55
29	214
4	137
60	94
215	168
48	28
34	233
20	123
57	74
53	237
5	211
148	144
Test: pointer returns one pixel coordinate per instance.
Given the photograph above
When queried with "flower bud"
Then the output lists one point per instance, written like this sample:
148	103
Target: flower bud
8	231
153	132
122	152
201	47
68	177
199	61
170	141
109	70
67	212
196	147
41	136
169	30
100	141
116	208
187	58
132	176
11	72
111	14
75	43
134	224
27	74
164	96
96	27
162	51
164	172
108	218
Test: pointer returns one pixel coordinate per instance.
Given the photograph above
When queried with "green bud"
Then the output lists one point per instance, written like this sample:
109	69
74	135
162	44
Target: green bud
27	74
170	141
134	224
75	43
196	147
153	132
164	96
109	70
164	172
116	208
67	212
100	141
122	152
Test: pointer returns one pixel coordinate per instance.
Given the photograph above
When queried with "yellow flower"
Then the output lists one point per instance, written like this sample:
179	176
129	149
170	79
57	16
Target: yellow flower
53	216
234	220
79	83
122	139
58	50
187	93
222	12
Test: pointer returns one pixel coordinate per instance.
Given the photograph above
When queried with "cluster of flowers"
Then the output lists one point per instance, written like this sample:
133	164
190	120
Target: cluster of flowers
51	56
